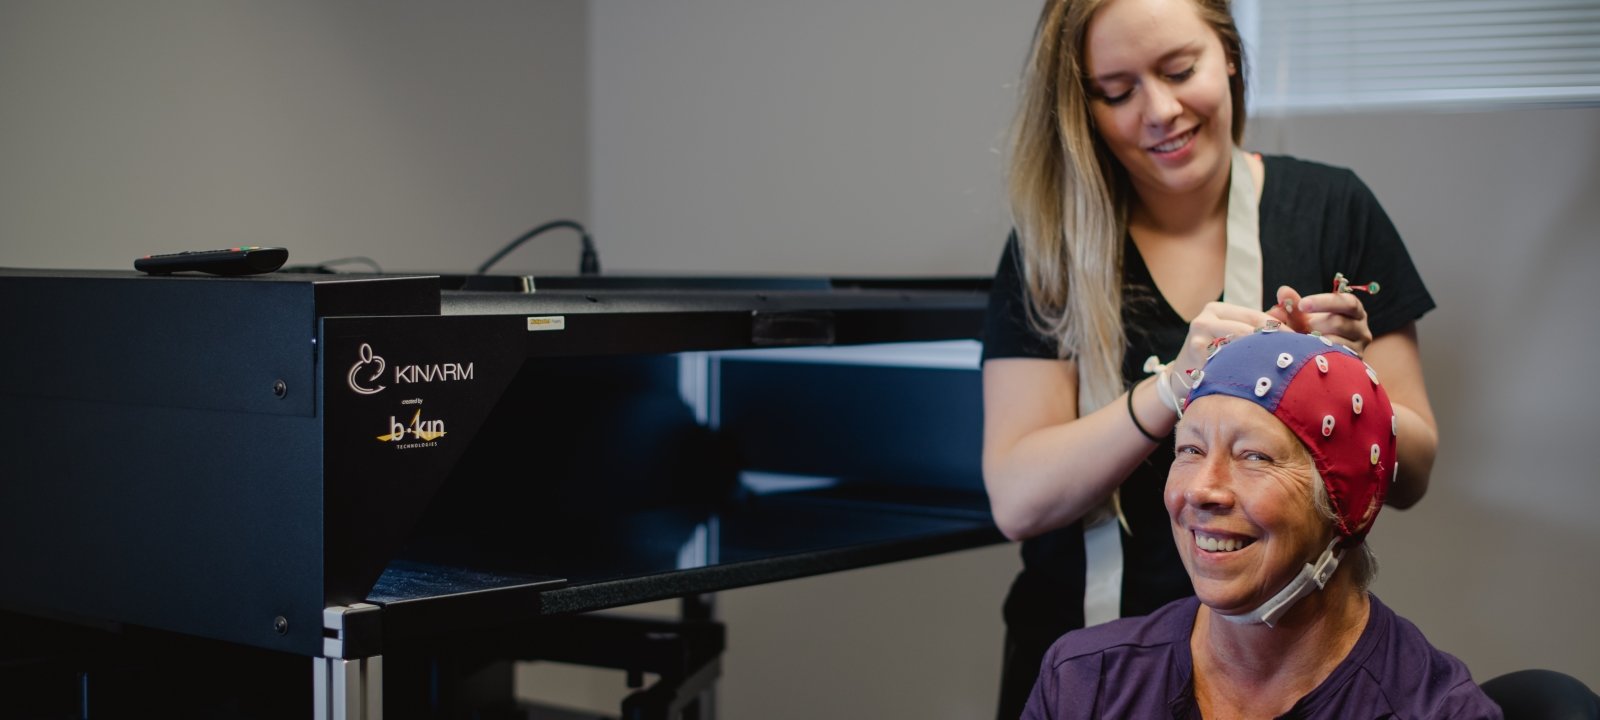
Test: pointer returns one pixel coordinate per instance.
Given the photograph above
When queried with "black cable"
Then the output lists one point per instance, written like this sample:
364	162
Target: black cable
588	264
326	266
357	260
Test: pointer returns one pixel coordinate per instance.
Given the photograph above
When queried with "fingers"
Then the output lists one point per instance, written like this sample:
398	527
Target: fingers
1290	310
1288	298
1346	304
1352	332
1217	320
1338	316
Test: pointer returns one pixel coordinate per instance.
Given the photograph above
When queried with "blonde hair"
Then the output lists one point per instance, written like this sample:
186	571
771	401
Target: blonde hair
1069	196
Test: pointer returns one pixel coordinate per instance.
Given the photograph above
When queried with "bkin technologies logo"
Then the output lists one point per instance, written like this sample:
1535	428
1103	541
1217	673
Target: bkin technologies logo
419	432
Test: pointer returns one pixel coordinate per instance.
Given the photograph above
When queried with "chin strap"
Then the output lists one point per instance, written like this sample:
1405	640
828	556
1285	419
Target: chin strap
1311	578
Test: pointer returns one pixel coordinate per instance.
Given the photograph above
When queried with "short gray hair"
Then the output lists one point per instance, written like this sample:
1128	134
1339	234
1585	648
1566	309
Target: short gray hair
1362	561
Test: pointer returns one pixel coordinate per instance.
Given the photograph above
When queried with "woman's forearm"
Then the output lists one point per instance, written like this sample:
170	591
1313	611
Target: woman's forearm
1051	476
1416	446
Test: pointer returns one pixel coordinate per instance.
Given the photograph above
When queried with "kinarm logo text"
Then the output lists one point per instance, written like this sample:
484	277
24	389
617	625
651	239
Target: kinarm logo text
367	373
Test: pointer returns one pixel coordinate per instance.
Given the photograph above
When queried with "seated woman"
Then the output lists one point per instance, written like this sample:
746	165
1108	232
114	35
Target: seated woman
1285	451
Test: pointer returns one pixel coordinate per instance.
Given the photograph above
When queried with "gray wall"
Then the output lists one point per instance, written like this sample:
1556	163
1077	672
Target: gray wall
828	137
410	132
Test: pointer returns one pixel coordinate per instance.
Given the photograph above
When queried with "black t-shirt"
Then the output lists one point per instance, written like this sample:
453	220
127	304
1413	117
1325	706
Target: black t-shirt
1315	220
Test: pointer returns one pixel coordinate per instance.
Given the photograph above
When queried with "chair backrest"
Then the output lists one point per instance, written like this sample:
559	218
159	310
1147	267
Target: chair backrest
1542	695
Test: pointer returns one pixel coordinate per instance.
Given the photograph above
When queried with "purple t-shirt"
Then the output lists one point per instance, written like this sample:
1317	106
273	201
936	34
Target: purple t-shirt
1140	668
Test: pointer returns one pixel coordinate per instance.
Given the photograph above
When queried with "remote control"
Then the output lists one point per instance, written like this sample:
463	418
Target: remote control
243	260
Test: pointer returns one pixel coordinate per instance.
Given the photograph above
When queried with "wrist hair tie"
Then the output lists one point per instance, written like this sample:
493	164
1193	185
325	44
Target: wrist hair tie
1135	418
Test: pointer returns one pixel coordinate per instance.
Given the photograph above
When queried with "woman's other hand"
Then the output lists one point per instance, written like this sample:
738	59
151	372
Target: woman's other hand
1338	316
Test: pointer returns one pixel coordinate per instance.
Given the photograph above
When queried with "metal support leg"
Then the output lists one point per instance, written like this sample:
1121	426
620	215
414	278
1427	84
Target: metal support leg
676	698
704	706
346	685
348	689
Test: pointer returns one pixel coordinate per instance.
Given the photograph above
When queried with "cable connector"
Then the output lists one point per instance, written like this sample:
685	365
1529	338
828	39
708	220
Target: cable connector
588	262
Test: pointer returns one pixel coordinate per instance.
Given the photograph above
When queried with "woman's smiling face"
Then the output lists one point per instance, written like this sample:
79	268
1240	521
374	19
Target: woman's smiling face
1240	498
1159	96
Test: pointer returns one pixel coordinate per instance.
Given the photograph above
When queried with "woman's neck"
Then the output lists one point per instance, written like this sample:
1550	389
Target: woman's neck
1181	214
1260	671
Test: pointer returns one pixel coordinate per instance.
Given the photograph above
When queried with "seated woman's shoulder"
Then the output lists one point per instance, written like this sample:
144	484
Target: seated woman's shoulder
1132	667
1419	677
1167	626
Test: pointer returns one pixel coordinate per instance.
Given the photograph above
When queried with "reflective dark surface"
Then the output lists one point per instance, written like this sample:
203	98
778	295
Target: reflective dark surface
625	558
596	471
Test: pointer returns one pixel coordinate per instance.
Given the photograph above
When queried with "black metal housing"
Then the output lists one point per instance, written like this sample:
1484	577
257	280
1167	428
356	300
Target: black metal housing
227	457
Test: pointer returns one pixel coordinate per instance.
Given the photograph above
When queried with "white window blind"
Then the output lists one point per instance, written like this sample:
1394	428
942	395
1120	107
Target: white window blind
1354	54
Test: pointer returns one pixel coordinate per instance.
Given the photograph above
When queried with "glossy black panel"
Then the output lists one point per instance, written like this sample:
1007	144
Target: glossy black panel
627	558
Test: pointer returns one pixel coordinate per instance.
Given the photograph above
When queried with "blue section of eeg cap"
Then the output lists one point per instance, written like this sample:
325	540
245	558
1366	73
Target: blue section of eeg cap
1241	363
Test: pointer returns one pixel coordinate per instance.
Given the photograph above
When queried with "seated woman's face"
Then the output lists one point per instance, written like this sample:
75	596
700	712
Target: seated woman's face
1239	495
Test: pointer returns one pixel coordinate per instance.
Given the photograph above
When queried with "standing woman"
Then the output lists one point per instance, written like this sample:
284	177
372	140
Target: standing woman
1135	211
